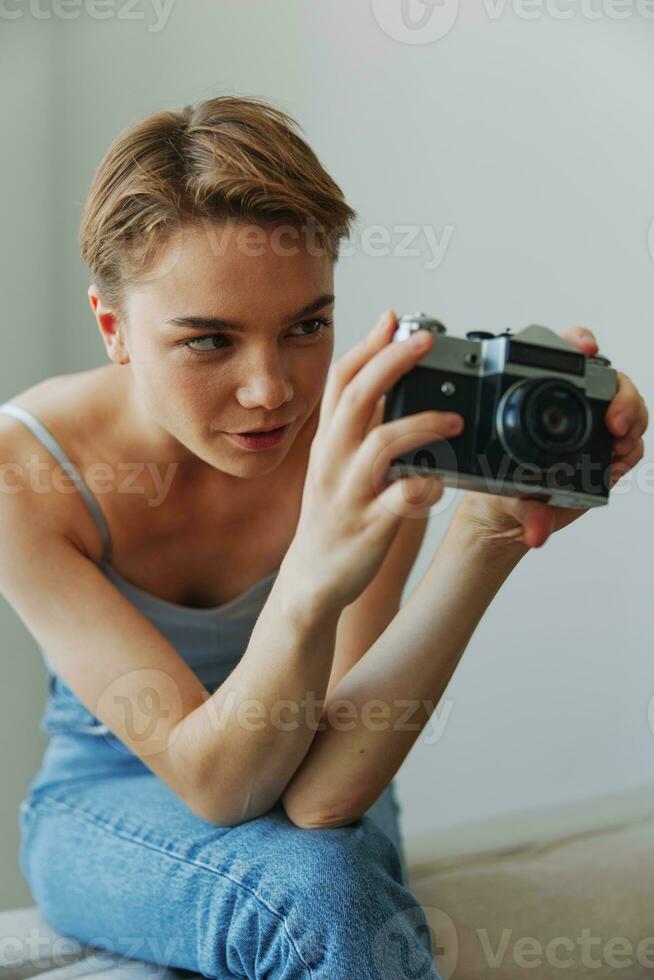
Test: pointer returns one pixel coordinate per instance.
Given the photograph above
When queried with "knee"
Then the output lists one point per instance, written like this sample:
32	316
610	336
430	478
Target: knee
328	901
344	896
352	863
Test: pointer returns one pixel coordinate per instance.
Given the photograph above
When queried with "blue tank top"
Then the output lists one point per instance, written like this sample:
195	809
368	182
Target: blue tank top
211	641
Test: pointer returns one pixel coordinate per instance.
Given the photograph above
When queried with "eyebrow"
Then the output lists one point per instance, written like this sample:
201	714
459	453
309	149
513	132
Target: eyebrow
217	323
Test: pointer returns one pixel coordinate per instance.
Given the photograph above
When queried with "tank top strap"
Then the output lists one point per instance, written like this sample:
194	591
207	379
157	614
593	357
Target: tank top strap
54	447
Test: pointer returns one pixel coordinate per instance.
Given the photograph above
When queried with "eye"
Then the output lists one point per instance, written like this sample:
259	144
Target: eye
323	322
213	342
209	339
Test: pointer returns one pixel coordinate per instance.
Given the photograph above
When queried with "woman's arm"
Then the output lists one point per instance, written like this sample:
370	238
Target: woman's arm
226	766
283	674
247	739
388	696
365	619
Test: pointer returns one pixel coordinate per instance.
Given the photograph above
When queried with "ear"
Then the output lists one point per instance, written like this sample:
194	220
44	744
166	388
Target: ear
110	327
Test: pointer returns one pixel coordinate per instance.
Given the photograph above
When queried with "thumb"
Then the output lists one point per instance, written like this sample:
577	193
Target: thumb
538	523
536	518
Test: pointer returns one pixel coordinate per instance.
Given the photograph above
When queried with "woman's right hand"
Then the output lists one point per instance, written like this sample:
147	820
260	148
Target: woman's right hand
350	514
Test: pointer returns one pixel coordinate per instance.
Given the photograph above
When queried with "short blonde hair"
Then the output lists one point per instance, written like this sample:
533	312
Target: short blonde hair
226	157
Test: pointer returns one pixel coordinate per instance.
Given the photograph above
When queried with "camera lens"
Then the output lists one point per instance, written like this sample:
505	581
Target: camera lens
554	420
556	417
539	421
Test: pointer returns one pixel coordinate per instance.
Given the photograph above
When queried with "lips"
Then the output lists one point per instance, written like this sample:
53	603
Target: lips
266	440
257	432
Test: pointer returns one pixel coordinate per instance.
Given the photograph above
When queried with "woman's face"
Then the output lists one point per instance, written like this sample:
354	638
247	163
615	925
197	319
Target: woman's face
232	332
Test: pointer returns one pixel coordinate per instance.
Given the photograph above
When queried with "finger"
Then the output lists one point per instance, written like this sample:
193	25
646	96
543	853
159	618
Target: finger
626	407
375	378
620	467
347	366
628	442
377	414
582	338
536	518
367	477
410	496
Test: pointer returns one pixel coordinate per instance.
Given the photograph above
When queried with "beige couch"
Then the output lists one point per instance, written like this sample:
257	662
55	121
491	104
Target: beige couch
564	892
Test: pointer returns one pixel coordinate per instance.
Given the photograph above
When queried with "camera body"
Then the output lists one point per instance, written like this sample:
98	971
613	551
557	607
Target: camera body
533	407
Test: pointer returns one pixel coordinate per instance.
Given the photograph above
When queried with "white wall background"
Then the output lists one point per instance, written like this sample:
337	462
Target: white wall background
28	353
526	145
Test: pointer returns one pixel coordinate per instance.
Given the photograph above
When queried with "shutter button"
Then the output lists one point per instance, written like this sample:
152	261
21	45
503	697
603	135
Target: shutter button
598	359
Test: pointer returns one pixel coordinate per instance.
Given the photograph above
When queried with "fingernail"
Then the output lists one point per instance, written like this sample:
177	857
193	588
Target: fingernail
420	338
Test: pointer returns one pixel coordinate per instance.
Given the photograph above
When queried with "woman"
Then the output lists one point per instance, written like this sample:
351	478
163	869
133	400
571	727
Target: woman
208	601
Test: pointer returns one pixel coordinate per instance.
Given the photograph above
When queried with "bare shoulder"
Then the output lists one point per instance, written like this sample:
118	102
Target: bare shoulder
33	485
68	403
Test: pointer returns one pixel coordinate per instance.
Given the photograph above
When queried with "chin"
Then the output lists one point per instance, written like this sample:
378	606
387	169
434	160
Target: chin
240	462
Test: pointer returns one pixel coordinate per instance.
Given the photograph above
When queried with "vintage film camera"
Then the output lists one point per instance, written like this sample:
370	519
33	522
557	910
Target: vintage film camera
533	407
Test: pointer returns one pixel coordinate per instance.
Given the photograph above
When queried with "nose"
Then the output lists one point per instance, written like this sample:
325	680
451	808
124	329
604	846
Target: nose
264	382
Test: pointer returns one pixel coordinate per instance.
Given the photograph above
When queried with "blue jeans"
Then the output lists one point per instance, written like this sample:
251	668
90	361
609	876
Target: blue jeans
116	860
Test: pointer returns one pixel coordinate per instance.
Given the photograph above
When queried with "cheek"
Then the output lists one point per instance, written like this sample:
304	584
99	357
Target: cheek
191	386
170	387
183	380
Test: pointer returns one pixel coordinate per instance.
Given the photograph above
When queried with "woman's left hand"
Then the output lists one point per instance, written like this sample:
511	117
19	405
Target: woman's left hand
530	522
